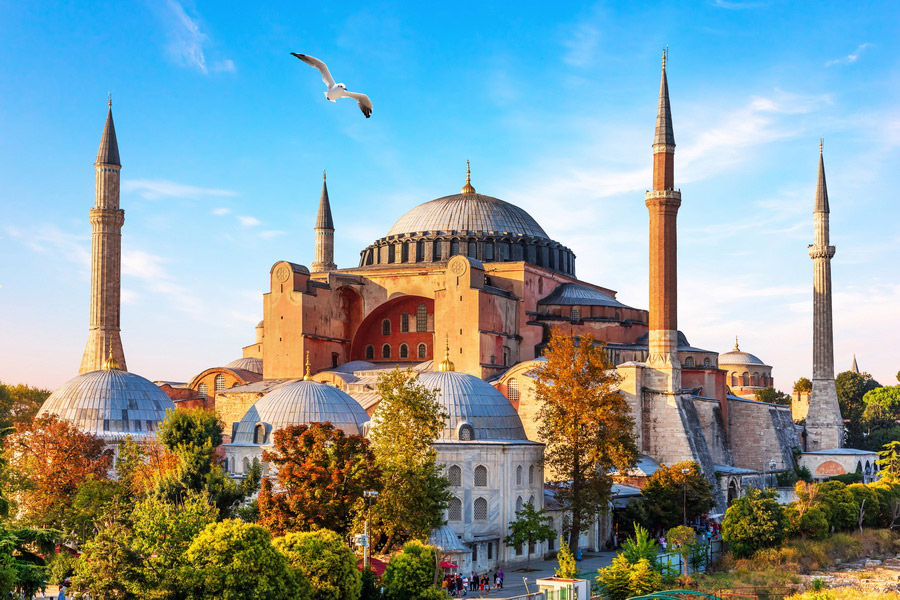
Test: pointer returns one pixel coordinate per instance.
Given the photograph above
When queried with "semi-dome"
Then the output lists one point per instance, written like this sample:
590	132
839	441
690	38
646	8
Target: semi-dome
739	357
299	403
110	403
477	410
254	365
467	212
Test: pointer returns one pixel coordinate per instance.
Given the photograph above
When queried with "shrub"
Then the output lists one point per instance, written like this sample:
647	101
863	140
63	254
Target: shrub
839	505
753	522
806	522
323	558
410	572
641	546
62	565
623	579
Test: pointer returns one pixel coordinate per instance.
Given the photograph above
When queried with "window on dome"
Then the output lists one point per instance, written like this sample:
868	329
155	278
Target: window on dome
421	319
473	250
369	257
404	252
504	250
454	510
386	351
706	362
734	380
575	313
422	351
436	251
689	361
519	475
203	390
755	379
386	327
259	434
392	253
512	389
220	382
454	475
420	251
480	509
745	379
465	433
370	352
480	476
454	247
404	351
404	322
489	251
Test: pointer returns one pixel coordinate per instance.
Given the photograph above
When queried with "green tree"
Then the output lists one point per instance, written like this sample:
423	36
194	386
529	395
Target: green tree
233	560
414	488
585	423
109	569
803	385
805	516
889	462
20	403
411	572
682	540
325	561
642	545
886	397
530	527
322	474
624	579
772	396
670	495
851	387
839	505
754	522
566	566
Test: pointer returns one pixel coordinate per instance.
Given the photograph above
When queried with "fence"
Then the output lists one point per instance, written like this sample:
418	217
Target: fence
700	560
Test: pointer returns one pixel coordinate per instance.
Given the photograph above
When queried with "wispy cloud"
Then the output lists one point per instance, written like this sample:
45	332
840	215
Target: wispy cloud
187	40
248	221
160	188
49	238
271	233
224	66
221	212
581	44
850	58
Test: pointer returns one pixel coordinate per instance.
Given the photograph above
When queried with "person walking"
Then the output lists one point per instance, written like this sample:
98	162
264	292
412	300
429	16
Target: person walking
500	577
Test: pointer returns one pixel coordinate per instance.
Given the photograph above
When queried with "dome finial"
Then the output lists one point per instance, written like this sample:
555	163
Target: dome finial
110	364
109	99
468	189
736	349
308	376
446	365
664	57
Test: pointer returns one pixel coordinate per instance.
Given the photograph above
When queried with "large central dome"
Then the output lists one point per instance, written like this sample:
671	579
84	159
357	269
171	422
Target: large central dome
467	213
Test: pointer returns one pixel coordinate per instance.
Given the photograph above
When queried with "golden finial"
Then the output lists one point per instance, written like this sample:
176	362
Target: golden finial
446	365
308	376
324	176
109	99
736	349
665	56
468	189
110	363
821	144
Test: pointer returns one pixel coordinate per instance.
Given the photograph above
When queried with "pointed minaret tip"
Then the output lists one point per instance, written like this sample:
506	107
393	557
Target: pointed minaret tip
108	154
821	186
324	219
854	368
665	133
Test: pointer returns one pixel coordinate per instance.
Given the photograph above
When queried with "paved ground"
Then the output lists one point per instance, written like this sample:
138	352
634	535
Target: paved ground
514	586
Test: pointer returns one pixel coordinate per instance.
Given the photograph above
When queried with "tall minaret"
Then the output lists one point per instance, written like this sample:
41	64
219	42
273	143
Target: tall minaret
824	426
107	218
324	232
663	202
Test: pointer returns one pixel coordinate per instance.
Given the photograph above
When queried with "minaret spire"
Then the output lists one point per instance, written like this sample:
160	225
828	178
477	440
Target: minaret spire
854	368
824	426
324	232
104	345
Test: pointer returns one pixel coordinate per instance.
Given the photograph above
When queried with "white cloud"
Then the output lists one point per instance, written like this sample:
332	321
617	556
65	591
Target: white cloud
219	212
160	188
581	45
850	58
187	41
224	66
49	238
271	233
143	265
248	221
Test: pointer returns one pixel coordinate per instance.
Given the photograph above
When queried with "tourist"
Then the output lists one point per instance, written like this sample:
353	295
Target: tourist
475	581
500	577
465	583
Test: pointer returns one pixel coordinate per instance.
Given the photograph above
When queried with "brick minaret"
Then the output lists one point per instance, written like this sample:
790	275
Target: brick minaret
663	202
106	256
824	426
324	232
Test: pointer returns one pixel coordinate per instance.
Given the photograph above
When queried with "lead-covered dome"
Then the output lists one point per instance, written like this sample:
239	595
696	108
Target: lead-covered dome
110	403
462	213
739	357
477	411
254	365
298	403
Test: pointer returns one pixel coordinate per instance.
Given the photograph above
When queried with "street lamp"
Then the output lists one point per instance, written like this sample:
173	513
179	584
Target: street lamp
369	495
684	473
772	466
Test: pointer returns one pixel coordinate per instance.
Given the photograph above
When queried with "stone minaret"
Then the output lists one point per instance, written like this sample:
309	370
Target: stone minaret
824	427
107	218
663	202
324	232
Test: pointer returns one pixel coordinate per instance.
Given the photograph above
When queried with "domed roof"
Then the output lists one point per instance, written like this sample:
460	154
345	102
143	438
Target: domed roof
110	403
739	357
254	365
473	401
299	403
468	212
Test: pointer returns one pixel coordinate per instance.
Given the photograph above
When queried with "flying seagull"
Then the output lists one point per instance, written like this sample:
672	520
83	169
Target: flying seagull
336	90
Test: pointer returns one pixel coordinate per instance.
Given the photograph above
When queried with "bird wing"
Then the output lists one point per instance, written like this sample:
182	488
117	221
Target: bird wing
322	67
365	105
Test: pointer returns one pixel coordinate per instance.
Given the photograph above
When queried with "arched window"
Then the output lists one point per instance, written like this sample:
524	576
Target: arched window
489	251
689	361
454	475
480	509
519	475
404	252
745	379
504	250
386	327
454	247
755	379
531	500
436	250
473	249
480	476
404	351
404	322
420	251
220	382
203	390
734	380
422	351
575	313
465	433
245	464
386	351
531	475
512	389
421	318
454	510
259	434
706	362
519	504
370	352
392	253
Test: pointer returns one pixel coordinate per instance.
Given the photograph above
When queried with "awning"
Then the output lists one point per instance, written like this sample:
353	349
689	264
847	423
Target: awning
448	565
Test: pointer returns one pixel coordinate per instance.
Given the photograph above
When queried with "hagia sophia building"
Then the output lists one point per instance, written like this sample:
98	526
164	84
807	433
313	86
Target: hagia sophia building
466	290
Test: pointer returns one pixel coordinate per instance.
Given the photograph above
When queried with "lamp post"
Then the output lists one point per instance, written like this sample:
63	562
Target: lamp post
684	473
772	466
369	495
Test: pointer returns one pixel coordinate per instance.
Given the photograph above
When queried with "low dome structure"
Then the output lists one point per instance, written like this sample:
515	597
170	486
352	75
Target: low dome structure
254	365
746	372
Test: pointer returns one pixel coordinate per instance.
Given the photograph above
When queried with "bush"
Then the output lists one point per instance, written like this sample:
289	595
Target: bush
839	505
623	579
324	559
754	522
806	522
410	573
61	566
641	546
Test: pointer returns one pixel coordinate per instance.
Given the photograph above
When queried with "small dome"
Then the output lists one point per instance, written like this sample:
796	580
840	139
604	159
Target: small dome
472	401
299	403
110	404
468	212
738	357
254	365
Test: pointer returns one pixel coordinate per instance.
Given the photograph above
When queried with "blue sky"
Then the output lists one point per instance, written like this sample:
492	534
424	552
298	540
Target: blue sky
223	137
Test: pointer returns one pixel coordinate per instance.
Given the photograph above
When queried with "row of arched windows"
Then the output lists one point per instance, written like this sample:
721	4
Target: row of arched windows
755	380
454	475
531	475
231	464
219	385
479	509
421	321
421	351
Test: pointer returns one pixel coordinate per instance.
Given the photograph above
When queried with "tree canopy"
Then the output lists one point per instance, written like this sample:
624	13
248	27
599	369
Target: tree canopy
20	403
325	561
851	387
803	385
754	522
530	527
669	495
772	396
410	572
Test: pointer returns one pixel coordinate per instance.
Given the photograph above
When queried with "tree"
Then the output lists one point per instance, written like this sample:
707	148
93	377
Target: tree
851	387
410	572
890	462
20	403
803	385
530	527
682	540
566	566
886	397
670	497
325	561
414	488
772	396
625	579
322	474
805	516
586	426
233	560
108	568
754	522
839	505
192	437
49	459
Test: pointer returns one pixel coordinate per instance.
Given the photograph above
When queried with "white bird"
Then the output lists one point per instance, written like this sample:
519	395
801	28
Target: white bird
337	90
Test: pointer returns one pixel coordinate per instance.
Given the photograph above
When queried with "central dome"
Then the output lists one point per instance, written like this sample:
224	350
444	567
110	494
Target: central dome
467	212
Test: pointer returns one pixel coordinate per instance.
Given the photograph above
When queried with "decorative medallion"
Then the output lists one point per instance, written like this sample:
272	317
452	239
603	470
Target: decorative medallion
282	273
459	267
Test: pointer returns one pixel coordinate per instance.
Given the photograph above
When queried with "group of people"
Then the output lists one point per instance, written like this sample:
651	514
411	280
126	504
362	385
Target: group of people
460	585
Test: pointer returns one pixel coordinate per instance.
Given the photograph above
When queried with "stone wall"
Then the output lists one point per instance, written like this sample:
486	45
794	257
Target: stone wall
760	433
